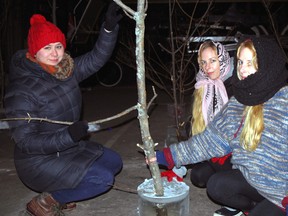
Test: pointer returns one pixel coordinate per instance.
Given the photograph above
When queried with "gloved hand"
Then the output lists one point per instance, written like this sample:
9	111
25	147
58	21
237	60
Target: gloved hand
170	175
181	171
165	158
161	158
177	173
112	16
221	160
285	204
78	130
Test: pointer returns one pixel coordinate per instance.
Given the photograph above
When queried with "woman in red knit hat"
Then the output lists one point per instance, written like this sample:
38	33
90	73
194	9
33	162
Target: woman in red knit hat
54	159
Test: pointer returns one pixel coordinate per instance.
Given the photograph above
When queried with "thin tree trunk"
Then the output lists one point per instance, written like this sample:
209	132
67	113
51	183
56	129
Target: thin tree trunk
148	143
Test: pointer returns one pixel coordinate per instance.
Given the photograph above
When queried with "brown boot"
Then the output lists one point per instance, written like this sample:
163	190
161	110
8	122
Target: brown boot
44	205
68	206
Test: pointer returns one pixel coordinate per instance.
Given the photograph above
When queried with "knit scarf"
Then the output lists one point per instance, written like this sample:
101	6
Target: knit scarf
61	71
209	110
270	77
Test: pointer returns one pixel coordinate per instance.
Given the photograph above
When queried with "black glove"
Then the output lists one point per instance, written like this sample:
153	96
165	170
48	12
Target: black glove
78	130
112	16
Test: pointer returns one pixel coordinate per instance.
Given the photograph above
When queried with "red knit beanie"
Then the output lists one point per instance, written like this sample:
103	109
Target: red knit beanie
42	33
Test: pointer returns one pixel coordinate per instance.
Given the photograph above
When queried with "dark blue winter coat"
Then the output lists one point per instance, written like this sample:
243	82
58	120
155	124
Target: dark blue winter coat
46	158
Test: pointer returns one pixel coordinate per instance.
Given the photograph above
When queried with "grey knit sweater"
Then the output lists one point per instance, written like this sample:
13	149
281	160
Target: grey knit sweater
266	168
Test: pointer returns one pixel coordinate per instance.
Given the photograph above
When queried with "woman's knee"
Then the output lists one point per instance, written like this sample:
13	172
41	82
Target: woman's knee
111	160
216	186
104	177
101	182
197	179
118	163
200	174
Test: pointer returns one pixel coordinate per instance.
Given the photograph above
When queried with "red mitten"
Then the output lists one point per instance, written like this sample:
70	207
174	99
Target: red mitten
170	175
285	204
179	173
220	160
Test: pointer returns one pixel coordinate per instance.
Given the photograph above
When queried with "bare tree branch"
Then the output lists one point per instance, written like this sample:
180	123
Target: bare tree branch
29	118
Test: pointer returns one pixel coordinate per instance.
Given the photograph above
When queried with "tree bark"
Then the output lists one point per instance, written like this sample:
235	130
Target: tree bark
148	143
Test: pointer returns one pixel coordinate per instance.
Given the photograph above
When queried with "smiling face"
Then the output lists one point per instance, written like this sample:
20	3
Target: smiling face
246	60
209	63
51	54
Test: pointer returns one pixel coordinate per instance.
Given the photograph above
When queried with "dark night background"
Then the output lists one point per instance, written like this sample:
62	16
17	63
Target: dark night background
15	15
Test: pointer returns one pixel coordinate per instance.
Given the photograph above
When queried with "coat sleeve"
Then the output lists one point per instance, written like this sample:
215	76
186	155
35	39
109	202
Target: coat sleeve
91	62
33	137
212	142
199	148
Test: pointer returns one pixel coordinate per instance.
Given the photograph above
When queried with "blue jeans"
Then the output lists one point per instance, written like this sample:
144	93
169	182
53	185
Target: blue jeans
98	179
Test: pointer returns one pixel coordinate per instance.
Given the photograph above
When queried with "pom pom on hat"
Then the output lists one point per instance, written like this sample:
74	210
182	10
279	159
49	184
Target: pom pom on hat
42	33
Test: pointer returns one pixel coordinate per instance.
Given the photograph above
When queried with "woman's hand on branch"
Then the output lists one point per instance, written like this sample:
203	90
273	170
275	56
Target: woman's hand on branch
78	130
165	158
112	17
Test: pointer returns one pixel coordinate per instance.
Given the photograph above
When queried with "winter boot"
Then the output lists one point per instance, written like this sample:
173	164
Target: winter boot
225	211
44	205
68	206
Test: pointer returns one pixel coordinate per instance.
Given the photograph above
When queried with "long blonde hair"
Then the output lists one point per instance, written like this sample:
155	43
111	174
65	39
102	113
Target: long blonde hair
253	127
254	122
197	121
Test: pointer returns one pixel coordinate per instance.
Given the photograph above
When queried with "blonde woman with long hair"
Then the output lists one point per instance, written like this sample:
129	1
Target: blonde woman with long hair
213	84
253	125
212	91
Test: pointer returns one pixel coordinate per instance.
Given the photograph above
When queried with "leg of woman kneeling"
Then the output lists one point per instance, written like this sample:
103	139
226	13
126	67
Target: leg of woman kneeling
98	179
231	189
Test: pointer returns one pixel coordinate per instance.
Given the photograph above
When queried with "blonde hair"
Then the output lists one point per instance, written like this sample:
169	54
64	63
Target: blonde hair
254	122
197	121
249	45
253	127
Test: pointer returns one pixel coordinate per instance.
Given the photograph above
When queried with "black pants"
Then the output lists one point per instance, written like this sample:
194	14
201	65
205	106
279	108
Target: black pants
201	172
231	189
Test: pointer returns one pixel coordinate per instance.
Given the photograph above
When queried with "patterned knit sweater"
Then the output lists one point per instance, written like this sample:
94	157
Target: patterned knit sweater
266	168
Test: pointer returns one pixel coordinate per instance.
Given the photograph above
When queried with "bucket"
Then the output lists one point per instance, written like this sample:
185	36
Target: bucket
174	202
